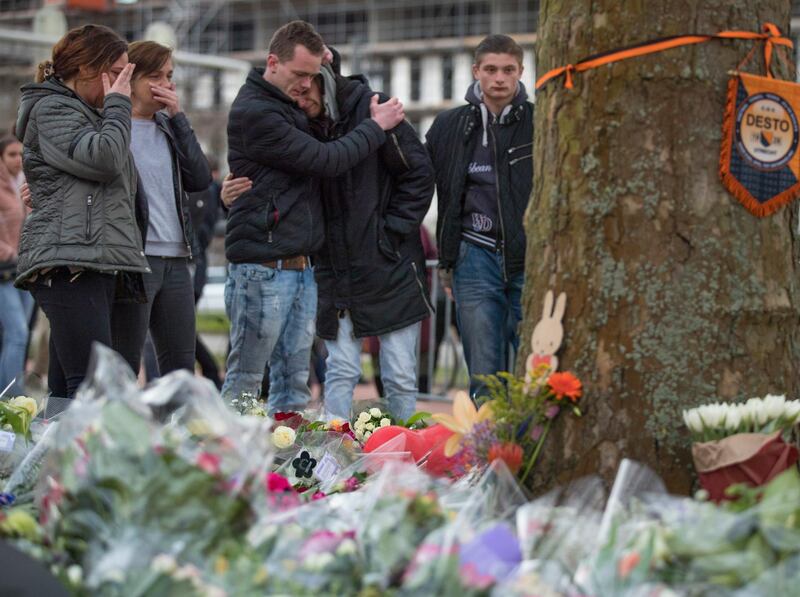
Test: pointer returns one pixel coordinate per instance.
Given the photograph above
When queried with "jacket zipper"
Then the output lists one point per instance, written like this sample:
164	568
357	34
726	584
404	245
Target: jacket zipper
519	159
180	208
400	151
89	203
422	289
513	149
499	204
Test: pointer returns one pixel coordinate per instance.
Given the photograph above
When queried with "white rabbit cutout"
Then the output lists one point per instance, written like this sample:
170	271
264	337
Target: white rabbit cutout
547	335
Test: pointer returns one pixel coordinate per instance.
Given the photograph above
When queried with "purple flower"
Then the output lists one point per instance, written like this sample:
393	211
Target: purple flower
552	412
536	432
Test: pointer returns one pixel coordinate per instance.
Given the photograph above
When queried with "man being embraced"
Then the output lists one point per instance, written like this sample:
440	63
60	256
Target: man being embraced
273	228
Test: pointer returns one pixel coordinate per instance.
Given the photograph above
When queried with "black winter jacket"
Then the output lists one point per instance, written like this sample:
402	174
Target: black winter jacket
269	142
451	143
372	264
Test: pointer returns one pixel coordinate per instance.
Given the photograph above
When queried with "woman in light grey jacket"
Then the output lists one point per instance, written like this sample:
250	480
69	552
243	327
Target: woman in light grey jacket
75	124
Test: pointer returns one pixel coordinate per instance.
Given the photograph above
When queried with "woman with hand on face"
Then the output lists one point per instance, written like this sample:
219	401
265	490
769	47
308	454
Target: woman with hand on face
169	162
75	124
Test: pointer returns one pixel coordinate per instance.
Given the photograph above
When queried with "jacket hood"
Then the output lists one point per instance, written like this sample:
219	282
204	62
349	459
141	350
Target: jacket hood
31	94
349	91
474	96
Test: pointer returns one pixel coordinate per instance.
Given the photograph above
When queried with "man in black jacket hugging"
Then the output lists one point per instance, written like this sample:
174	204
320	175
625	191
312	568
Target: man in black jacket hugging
484	174
273	228
370	269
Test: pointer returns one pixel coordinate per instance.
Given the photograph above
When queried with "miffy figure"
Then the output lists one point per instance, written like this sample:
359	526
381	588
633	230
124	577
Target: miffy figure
547	335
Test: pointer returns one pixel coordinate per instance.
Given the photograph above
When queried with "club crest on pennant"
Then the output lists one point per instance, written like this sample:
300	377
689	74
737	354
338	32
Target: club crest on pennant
759	161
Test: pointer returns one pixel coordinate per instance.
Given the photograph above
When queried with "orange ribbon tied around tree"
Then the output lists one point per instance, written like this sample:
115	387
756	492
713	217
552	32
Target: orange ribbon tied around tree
771	36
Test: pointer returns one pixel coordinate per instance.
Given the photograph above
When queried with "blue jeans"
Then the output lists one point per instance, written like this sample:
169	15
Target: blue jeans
273	317
398	357
16	307
488	310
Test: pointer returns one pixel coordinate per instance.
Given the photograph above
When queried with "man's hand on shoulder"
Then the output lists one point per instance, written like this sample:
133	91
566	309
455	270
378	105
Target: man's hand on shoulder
388	114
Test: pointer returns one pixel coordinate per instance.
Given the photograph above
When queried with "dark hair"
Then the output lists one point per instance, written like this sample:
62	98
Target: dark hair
498	44
6	141
148	56
293	34
94	47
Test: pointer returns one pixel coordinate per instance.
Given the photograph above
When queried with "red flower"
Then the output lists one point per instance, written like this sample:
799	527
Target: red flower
277	483
284	416
565	385
627	563
510	453
318	496
209	462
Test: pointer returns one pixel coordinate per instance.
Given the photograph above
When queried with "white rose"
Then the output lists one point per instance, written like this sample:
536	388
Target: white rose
369	426
75	574
363	417
359	426
366	435
375	413
164	563
27	403
283	437
385	422
346	547
318	561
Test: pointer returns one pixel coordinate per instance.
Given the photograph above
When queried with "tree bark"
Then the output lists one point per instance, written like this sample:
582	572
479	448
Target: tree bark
676	295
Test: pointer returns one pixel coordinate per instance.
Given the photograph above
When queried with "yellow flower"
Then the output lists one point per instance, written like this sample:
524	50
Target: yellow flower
221	565
463	419
27	403
198	427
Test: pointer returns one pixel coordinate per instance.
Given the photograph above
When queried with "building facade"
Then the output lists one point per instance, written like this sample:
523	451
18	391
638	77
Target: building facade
420	51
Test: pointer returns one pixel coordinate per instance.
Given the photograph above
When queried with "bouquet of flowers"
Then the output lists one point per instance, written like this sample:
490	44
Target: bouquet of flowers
368	421
742	443
512	423
758	415
695	547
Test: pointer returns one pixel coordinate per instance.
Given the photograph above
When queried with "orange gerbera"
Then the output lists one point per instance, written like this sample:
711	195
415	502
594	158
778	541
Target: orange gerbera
510	453
565	385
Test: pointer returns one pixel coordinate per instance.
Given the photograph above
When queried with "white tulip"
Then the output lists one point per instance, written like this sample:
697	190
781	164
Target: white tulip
759	411
773	406
791	410
693	420
733	418
749	413
713	415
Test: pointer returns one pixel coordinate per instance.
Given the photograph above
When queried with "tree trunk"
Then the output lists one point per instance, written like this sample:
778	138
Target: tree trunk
676	295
